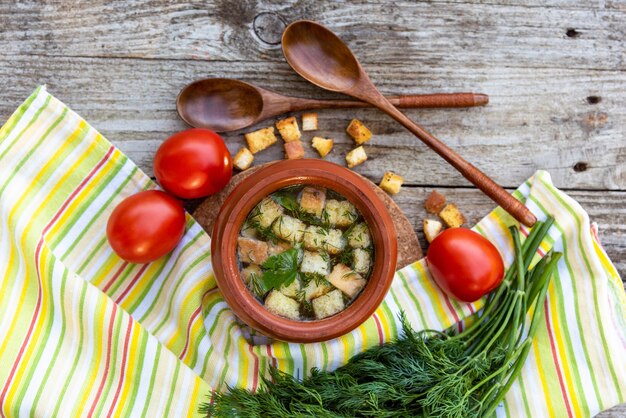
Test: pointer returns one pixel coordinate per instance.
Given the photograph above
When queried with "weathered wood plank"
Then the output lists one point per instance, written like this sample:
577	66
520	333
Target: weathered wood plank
537	118
615	412
498	34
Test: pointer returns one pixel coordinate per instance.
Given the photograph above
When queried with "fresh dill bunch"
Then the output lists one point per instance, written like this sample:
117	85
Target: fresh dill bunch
421	374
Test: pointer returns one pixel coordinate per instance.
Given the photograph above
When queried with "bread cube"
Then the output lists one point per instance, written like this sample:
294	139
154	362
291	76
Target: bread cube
361	261
291	290
356	157
249	231
340	213
359	236
261	139
309	121
452	216
346	280
432	228
289	228
243	159
435	202
268	212
277	248
328	305
250	272
314	262
358	132
329	240
252	250
279	304
288	129
312	200
391	183
315	289
323	146
294	150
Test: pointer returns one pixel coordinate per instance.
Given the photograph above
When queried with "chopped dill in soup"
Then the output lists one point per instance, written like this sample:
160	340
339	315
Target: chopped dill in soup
305	252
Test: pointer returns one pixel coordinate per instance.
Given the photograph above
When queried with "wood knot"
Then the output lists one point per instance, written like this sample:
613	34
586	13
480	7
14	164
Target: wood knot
580	167
269	27
572	33
594	99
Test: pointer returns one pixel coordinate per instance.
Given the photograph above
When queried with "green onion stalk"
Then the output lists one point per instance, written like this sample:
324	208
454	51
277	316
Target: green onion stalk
425	373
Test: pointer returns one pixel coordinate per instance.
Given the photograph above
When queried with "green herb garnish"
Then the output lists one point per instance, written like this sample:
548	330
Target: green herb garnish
281	269
286	200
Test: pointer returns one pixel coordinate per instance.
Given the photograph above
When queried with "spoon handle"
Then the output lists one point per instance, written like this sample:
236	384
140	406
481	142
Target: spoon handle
473	174
437	100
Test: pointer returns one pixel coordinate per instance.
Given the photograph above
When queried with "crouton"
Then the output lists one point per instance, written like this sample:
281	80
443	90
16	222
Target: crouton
250	272
243	159
328	305
312	200
355	157
249	231
391	182
279	304
361	260
323	146
292	290
288	129
359	236
340	213
294	150
268	211
346	280
252	250
289	228
315	289
309	121
277	248
261	139
432	228
358	132
314	262
452	216
435	202
328	240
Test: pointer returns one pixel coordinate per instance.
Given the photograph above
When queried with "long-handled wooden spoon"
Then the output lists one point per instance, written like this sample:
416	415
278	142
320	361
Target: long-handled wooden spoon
224	104
318	55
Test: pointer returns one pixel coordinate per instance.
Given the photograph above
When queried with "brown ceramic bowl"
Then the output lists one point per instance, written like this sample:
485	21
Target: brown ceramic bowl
250	192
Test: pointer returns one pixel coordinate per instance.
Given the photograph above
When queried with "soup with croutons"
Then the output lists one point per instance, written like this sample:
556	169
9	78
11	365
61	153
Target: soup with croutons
305	252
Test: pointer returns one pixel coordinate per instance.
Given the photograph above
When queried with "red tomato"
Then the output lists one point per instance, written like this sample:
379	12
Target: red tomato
146	226
464	264
193	163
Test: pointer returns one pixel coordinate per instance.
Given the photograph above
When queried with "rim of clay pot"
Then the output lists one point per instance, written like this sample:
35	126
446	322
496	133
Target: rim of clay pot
268	180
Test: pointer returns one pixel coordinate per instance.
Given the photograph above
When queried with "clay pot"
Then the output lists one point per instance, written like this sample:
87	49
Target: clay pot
266	181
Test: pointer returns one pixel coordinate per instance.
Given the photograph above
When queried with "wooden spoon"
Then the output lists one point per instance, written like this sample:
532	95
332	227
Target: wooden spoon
224	104
318	55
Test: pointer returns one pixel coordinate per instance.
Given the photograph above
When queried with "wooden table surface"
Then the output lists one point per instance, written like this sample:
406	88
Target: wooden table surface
555	72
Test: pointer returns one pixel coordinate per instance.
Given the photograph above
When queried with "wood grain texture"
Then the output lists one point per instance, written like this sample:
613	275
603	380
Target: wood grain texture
536	118
555	72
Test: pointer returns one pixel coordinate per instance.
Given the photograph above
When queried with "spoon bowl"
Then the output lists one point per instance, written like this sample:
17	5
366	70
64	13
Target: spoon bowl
318	55
220	103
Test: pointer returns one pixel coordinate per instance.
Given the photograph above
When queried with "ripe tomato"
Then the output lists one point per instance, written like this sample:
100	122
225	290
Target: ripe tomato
193	163
465	264
146	226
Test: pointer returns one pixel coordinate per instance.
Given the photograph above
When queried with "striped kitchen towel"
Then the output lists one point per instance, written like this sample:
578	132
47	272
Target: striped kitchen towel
83	333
